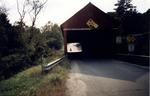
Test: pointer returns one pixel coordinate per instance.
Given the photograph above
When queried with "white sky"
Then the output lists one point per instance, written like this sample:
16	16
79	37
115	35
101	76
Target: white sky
58	11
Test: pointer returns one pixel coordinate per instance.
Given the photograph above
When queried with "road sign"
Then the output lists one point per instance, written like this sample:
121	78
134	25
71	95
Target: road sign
118	39
131	47
131	39
92	24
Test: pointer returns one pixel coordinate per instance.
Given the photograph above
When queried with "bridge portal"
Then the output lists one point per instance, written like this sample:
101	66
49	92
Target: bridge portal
93	32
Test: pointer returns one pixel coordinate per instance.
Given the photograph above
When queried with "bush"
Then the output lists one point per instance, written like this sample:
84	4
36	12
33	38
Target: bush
22	46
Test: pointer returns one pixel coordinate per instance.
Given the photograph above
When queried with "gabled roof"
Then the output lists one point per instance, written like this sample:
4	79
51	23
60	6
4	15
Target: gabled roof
90	11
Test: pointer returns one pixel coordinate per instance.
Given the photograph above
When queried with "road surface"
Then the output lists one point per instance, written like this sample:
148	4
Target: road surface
107	78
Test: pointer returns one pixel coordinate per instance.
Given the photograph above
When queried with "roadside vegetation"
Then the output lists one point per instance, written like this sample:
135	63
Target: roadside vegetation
32	82
23	46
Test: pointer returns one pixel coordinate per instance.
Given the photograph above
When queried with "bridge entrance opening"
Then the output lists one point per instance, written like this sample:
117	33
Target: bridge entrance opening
90	43
74	47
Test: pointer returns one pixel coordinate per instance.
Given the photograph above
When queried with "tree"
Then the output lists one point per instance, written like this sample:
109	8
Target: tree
21	46
22	11
9	57
124	6
125	14
35	8
51	27
47	27
53	35
5	34
3	9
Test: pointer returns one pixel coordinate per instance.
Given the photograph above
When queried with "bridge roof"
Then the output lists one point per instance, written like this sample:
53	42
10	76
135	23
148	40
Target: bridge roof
90	11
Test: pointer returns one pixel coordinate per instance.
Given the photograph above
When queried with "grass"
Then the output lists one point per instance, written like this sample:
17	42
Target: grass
32	82
55	55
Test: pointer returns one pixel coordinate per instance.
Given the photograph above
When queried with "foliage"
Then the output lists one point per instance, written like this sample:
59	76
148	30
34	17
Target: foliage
3	9
32	83
53	35
132	23
22	46
130	19
124	6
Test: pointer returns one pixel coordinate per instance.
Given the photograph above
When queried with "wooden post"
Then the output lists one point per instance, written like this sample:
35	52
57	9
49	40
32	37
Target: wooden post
65	41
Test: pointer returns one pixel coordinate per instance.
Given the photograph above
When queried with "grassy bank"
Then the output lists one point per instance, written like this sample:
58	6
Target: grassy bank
32	83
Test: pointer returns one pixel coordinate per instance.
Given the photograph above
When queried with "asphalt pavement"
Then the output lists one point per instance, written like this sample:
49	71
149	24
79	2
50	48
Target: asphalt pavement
107	78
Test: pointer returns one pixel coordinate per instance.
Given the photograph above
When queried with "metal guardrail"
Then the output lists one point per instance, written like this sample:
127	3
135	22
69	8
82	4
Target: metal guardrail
136	59
50	65
135	55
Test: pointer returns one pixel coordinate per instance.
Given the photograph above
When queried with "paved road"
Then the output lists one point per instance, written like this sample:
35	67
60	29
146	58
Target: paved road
107	78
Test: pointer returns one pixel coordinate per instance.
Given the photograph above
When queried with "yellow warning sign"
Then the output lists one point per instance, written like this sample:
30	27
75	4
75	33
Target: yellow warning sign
92	24
131	39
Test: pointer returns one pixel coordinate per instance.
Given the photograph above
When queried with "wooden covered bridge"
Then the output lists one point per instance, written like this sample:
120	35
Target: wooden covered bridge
94	34
92	31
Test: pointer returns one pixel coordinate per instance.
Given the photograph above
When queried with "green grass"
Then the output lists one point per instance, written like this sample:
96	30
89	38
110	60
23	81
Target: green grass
55	55
32	82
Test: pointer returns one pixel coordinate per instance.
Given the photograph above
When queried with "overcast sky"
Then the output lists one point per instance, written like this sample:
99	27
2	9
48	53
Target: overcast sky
59	11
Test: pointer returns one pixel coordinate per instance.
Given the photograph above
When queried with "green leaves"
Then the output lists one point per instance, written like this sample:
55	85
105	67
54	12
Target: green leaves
23	46
124	6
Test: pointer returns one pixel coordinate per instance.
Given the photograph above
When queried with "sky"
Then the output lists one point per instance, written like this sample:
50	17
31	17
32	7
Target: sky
58	11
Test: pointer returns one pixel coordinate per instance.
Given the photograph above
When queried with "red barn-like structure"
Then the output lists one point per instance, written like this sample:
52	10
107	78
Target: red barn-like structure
93	29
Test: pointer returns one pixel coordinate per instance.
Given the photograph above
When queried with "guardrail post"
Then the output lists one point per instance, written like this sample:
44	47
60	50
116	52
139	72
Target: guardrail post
42	64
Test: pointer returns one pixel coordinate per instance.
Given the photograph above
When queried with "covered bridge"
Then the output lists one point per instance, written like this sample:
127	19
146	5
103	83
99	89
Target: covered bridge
90	30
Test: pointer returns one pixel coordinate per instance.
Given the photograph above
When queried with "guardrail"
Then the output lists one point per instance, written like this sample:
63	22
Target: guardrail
137	59
50	65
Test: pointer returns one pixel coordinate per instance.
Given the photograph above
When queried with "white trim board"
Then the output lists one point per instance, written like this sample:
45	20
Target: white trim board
76	29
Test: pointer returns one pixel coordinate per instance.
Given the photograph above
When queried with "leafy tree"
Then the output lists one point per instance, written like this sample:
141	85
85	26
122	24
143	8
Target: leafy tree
127	15
5	34
132	23
8	46
22	46
53	35
124	6
146	21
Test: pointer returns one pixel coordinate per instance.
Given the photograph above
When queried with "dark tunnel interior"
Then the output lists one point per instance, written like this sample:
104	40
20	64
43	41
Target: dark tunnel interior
95	43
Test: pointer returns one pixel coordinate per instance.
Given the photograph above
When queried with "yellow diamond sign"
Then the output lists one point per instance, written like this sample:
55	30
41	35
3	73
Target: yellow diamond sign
131	39
92	24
